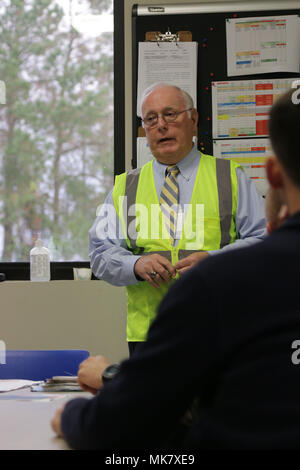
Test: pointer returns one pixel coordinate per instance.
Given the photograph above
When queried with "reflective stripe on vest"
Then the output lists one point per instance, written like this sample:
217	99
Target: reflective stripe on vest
225	198
132	180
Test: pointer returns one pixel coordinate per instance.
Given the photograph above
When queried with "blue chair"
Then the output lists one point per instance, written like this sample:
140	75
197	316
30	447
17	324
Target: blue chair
41	365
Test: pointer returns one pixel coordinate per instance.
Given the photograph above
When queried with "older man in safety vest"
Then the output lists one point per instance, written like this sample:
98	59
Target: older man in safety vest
179	208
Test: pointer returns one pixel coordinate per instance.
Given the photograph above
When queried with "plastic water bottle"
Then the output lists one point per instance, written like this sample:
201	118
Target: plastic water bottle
39	262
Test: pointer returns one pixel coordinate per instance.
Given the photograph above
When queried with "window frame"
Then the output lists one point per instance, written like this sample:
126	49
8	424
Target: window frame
63	270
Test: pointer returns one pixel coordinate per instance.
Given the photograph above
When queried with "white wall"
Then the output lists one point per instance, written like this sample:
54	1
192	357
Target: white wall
64	314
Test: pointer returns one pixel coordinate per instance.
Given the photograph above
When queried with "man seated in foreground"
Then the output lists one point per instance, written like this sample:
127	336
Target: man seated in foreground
91	369
223	336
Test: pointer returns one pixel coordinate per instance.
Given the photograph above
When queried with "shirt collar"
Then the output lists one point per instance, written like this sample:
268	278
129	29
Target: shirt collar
186	166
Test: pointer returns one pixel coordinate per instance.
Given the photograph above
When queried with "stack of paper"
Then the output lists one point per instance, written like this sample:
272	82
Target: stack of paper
58	384
9	385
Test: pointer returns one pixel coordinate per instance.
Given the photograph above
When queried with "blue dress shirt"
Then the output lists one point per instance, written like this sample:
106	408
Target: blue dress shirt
113	262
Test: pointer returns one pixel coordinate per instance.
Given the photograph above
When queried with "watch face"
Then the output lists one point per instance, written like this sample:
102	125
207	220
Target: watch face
110	372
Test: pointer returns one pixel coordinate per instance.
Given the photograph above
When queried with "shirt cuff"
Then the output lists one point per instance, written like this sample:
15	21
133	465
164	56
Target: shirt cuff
129	270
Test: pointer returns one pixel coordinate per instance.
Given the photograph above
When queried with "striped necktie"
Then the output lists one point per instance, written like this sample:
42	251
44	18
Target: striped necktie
169	199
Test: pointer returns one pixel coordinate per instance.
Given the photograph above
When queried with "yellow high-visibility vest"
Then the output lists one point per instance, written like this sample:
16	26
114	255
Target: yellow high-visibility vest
209	224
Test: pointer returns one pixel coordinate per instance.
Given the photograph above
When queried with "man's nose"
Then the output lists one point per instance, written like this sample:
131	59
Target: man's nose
161	122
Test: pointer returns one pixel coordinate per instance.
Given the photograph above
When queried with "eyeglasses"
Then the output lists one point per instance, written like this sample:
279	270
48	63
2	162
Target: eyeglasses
168	116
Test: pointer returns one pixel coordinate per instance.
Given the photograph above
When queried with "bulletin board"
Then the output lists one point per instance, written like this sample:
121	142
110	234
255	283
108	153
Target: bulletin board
207	26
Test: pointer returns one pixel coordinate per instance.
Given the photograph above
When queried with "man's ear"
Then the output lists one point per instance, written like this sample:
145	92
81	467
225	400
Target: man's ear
194	117
274	172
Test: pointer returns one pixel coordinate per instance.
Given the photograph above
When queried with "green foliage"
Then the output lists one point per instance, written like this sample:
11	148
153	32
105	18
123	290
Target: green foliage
56	129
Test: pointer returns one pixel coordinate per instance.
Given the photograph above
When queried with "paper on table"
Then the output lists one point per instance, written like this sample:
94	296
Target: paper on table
65	383
8	385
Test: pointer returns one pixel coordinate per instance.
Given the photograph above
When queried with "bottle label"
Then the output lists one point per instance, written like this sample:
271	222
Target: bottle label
39	265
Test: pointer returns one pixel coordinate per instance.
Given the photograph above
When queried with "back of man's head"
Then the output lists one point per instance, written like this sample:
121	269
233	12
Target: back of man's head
275	208
284	130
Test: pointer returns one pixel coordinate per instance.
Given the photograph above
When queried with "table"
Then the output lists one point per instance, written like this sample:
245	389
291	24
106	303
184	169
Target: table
25	418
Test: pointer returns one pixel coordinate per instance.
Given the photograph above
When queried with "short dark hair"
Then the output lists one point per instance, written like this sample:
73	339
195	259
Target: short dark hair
284	131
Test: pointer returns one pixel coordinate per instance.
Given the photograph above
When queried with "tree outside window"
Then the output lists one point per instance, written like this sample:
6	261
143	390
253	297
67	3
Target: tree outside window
56	123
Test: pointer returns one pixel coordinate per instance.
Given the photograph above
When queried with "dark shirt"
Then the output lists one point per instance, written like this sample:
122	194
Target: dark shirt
223	335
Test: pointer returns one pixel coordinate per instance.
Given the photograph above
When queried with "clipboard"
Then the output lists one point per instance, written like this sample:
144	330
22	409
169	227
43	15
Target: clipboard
168	36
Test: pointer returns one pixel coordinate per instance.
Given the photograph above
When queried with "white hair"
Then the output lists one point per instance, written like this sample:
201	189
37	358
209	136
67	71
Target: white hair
187	98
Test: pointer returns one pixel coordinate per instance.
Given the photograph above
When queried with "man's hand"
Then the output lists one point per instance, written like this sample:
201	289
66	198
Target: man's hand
90	373
186	263
56	422
154	264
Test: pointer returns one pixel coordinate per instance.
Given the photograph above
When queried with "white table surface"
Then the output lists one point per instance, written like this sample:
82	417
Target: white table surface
25	419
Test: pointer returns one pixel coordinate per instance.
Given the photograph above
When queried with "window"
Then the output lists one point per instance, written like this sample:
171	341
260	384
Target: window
56	124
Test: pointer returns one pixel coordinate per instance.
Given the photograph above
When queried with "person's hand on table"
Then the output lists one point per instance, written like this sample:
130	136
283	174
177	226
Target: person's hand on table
155	269
56	422
190	261
89	379
90	373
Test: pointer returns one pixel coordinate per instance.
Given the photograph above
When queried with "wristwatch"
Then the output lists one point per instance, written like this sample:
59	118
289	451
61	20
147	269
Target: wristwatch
110	372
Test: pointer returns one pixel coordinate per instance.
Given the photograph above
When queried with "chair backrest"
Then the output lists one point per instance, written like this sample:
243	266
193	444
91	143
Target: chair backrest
41	365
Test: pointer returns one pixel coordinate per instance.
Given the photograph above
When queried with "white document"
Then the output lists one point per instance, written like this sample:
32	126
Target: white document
144	154
241	108
9	385
263	45
250	154
167	62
